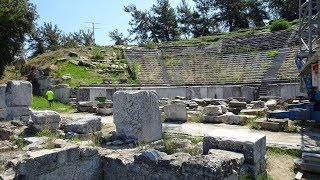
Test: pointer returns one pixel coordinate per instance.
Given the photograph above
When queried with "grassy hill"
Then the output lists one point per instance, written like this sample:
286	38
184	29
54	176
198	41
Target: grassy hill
84	65
96	64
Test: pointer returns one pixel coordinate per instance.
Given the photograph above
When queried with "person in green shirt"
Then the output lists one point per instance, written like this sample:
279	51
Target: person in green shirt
50	97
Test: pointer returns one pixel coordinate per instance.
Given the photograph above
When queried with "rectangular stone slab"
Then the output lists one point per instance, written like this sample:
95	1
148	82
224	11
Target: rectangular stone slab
251	145
18	93
137	115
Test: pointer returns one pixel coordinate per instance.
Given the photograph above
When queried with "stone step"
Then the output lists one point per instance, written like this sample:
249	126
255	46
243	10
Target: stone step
307	166
311	157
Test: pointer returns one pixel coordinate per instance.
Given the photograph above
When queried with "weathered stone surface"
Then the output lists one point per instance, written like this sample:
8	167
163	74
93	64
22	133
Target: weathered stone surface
3	96
3	114
18	93
153	164
63	163
237	159
176	112
213	110
258	104
257	112
105	111
272	124
18	111
234	119
45	119
307	166
85	125
214	119
87	103
237	104
271	104
251	145
137	115
108	104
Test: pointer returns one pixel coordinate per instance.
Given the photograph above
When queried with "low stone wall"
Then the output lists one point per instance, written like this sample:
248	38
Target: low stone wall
63	163
155	165
283	90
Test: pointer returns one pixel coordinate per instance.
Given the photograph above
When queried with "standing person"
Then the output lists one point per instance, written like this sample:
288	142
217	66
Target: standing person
50	96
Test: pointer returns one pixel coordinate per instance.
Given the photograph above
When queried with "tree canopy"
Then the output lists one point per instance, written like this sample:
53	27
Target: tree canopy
16	21
207	17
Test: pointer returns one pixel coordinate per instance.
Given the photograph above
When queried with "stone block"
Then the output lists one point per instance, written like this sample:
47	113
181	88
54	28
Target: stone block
45	120
104	111
3	96
237	159
214	119
235	119
237	104
108	104
45	117
213	110
251	145
137	115
3	114
176	112
85	125
18	93
256	112
312	167
272	124
258	104
13	112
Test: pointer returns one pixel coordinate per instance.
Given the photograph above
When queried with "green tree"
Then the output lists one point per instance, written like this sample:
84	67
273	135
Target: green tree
164	25
257	12
139	24
16	21
287	9
204	19
118	37
232	14
185	18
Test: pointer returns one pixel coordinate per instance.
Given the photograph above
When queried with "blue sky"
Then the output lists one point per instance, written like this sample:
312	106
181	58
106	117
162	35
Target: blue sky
71	15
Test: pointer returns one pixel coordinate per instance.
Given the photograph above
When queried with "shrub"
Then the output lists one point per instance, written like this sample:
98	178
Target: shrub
18	141
278	25
150	45
272	54
134	69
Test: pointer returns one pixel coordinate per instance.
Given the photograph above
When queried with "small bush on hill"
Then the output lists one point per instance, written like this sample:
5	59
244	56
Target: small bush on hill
278	25
272	54
150	45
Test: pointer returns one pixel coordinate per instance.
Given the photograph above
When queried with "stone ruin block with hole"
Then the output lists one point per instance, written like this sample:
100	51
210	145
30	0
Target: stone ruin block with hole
137	115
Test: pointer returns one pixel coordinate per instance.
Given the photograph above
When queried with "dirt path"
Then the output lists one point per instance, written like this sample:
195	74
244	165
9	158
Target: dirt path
306	140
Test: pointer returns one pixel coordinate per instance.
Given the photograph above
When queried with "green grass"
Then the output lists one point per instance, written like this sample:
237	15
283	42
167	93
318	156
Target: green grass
281	151
40	103
79	74
76	140
19	141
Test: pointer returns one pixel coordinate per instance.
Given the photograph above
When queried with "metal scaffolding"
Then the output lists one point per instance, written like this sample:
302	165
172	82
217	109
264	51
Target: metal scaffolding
309	26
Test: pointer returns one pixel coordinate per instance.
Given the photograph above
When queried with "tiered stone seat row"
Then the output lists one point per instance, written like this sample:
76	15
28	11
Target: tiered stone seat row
265	41
150	71
288	70
208	68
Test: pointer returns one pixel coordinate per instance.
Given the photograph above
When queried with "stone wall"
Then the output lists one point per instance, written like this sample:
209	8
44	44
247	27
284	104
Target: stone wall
152	164
15	97
283	90
62	163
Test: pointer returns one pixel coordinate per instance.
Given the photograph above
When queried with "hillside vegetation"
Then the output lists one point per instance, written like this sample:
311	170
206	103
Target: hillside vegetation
106	64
